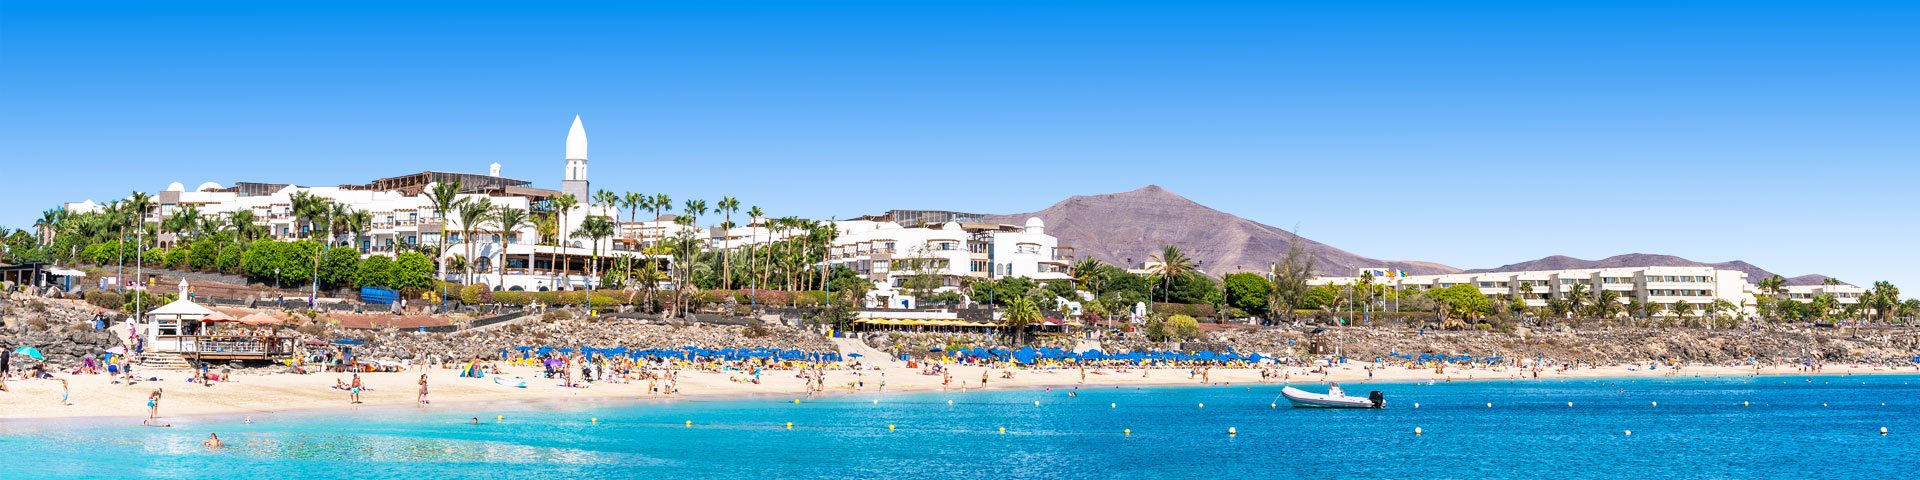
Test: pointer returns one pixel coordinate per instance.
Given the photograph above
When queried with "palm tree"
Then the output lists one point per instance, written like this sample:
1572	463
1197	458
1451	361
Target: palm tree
596	229
649	276
357	223
1173	263
561	205
1682	309
444	196
137	205
608	200
754	213
241	221
1089	274
473	215
1773	285
46	223
661	202
727	205
1021	312
508	220
1606	303
1577	298
634	202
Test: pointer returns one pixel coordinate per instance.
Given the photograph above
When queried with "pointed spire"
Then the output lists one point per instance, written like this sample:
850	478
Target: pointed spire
577	141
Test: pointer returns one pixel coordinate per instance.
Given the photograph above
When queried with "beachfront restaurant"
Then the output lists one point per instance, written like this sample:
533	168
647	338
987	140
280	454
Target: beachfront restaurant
196	332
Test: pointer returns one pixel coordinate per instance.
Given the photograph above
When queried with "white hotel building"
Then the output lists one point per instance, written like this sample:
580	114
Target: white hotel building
403	215
877	248
1698	286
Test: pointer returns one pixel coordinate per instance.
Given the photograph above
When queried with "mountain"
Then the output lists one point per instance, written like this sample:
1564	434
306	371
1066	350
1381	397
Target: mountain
1127	228
1563	262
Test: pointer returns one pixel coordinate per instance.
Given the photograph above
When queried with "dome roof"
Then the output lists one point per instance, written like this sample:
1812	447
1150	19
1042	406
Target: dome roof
1035	222
176	187
208	186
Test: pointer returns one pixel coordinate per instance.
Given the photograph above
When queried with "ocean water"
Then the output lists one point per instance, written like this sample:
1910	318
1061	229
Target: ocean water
1793	428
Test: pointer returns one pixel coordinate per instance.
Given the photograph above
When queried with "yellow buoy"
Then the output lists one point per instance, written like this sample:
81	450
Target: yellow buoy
889	427
595	420
1569	404
689	423
1489	404
1273	405
1232	431
1130	431
789	424
1416	431
499	417
796	400
1203	405
1746	404
1003	429
1036	403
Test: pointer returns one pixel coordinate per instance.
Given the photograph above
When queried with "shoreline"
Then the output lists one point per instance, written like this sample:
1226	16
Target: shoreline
32	404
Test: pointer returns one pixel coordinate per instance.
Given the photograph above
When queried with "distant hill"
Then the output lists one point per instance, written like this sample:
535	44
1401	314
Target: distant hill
1126	228
1563	262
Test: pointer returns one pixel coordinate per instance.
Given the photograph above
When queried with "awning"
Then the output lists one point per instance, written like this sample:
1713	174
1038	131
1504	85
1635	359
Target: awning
183	308
261	318
66	272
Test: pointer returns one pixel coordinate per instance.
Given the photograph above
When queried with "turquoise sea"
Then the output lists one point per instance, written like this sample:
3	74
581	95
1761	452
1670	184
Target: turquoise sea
1793	428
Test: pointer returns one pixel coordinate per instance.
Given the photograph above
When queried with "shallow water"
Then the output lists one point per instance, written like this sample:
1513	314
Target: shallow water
1698	430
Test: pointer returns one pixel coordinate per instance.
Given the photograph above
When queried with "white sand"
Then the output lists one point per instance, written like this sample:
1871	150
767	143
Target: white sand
94	396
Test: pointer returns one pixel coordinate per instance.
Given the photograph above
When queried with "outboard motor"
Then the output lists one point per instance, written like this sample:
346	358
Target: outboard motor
1379	399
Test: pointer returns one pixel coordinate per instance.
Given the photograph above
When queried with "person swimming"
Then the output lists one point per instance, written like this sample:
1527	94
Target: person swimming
213	441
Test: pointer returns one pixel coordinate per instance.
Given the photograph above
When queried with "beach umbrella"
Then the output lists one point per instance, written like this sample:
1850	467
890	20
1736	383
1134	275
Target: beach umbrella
31	352
117	350
348	342
855	355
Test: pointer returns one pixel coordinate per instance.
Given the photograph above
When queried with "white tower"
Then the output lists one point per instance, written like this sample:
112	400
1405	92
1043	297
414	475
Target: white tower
576	180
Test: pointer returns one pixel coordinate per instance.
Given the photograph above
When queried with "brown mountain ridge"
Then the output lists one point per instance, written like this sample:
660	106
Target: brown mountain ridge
1127	228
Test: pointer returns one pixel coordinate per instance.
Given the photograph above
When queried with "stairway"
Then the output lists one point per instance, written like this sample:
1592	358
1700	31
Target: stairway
163	361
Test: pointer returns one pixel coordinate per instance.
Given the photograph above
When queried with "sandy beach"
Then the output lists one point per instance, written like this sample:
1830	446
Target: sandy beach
251	395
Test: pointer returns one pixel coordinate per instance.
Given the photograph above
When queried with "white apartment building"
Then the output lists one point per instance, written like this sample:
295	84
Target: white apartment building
1698	286
1842	294
885	252
403	216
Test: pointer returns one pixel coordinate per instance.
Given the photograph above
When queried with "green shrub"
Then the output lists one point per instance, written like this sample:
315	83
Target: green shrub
106	300
229	260
1184	326
470	294
202	255
373	271
177	257
512	298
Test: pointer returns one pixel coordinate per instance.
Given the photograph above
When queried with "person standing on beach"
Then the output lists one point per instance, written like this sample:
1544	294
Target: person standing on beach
153	404
353	389
422	399
63	392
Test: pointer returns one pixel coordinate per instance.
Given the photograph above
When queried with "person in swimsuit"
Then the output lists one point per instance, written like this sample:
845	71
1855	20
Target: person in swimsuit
153	404
354	389
423	390
213	441
63	392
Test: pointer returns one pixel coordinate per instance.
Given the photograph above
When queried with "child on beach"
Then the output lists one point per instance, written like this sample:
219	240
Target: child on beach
422	399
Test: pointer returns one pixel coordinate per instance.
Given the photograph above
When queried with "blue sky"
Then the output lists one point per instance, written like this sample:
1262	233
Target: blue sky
1471	134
